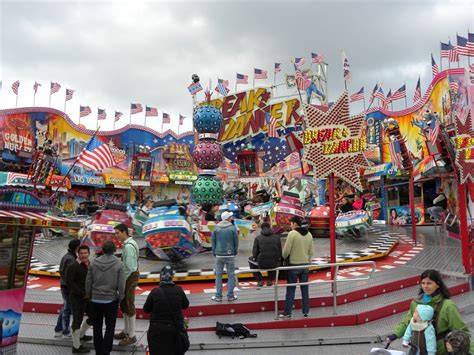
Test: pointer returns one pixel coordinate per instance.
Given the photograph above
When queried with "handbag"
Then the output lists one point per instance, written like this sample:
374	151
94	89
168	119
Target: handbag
284	273
182	338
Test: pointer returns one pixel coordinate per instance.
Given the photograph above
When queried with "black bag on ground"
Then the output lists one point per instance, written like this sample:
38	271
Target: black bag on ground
233	330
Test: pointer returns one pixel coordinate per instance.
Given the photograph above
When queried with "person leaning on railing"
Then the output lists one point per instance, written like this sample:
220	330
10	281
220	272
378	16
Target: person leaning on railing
434	292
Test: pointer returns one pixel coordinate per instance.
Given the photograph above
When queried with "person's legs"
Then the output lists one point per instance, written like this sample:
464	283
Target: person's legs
78	308
290	292
66	311
257	275
219	266
110	314
128	309
271	277
97	322
435	212
304	277
230	267
58	329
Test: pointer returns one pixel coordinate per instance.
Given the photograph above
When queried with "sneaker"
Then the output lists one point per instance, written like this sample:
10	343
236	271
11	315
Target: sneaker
232	298
80	350
67	336
282	316
86	338
216	299
127	341
269	283
120	336
306	315
260	283
58	334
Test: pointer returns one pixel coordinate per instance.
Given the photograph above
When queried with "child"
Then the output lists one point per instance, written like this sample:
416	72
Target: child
457	343
420	332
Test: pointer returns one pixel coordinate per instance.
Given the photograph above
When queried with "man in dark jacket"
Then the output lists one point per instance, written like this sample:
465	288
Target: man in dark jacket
165	305
266	254
62	325
105	287
225	245
76	282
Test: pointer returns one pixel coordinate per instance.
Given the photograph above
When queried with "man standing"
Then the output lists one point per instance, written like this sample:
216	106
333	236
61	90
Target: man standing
225	245
76	282
62	325
130	269
105	287
299	249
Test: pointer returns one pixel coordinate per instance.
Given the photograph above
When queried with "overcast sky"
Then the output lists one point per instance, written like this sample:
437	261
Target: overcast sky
117	52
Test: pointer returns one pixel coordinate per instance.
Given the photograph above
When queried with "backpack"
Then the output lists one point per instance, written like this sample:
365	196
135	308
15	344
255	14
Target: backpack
233	330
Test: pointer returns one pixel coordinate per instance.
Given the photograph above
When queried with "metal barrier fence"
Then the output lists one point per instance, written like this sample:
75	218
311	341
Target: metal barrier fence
334	282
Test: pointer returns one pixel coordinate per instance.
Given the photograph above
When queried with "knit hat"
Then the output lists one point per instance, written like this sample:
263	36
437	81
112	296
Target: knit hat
459	341
166	275
426	312
73	245
226	215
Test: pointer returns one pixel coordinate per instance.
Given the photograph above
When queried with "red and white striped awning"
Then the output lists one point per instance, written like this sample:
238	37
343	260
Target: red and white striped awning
42	220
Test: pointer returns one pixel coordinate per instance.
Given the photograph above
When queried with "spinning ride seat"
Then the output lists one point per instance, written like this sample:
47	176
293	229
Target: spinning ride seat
318	220
288	206
360	220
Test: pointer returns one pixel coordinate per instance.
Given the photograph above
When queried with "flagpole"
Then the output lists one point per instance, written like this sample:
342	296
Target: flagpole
235	87
145	117
114	124
34	98
440	60
130	122
50	94
64	106
364	103
79	115
449	59
16	101
406	104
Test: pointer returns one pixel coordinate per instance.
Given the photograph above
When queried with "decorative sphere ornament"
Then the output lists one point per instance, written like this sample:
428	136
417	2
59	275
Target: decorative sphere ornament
208	154
195	78
207	189
207	119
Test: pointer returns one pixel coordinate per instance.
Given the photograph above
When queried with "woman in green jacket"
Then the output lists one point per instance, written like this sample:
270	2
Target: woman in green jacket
434	292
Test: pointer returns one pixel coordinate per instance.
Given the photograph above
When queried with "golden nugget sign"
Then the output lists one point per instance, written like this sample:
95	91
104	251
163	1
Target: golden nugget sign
334	140
244	113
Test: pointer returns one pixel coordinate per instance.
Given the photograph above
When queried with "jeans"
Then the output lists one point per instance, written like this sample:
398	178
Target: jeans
301	275
435	212
64	318
229	263
103	342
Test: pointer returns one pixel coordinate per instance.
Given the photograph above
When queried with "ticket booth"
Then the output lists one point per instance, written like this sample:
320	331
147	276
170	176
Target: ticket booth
17	233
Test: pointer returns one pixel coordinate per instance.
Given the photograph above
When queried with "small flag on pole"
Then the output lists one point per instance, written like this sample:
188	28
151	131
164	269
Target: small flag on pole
317	58
151	111
54	88
69	93
221	87
15	87
259	73
434	66
118	115
84	111
399	94
461	45
302	82
454	87
346	67
449	51
374	91
101	115
359	95
96	155
271	122
417	95
242	79
136	108
299	61
194	88
166	118
470	43
35	87
277	68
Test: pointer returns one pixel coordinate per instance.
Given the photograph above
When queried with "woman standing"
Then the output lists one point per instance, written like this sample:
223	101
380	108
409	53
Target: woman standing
166	321
434	292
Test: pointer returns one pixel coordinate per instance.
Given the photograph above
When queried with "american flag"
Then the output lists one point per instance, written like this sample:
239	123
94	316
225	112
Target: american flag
194	88
317	58
221	88
35	87
101	115
454	86
449	51
242	79
346	67
434	66
433	133
259	73
359	95
166	118
302	82
84	111
399	94
15	86
223	82
461	45
470	43
380	95
136	108
417	95
69	93
118	115
374	91
271	122
389	98
181	119
277	68
54	88
394	155
151	111
96	155
299	62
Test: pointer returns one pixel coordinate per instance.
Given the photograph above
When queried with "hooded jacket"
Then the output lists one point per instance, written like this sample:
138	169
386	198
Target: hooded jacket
423	328
448	319
267	249
225	241
105	279
299	246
